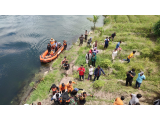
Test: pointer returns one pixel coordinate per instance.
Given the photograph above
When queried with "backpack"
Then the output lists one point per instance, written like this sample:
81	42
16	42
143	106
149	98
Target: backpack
157	102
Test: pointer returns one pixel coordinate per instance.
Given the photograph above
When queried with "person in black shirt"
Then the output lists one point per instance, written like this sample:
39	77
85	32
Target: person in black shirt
81	40
113	35
49	48
130	75
86	36
66	66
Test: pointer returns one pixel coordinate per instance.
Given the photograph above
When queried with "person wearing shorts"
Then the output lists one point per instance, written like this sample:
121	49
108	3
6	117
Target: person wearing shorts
81	40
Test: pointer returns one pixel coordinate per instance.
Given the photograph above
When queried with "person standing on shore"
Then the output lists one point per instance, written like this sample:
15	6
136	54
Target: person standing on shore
95	51
106	43
81	72
90	73
88	56
130	75
63	61
86	34
65	44
134	99
49	48
93	59
81	40
113	36
139	80
89	42
119	101
66	66
97	73
129	57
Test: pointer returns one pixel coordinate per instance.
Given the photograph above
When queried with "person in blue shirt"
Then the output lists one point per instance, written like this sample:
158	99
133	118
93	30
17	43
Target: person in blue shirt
106	43
117	46
139	80
97	73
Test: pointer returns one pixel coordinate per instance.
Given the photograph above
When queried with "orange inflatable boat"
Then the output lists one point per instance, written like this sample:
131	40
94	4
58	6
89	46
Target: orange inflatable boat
45	59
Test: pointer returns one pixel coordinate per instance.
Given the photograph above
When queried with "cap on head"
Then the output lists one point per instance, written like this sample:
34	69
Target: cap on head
63	85
76	89
90	65
141	72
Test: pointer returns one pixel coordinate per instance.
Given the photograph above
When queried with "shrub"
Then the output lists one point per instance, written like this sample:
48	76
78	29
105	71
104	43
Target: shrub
106	21
106	63
146	52
156	28
98	84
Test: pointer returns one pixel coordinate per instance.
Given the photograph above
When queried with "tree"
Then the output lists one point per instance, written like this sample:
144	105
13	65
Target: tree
156	28
94	19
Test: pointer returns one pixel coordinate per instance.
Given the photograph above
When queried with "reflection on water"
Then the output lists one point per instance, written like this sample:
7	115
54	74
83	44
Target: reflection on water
23	39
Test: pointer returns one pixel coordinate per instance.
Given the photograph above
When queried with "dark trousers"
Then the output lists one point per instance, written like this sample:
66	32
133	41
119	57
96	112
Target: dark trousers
93	63
65	47
89	77
56	49
129	81
96	77
81	76
127	60
137	84
56	102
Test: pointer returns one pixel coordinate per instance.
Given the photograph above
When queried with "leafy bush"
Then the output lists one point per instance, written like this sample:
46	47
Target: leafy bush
156	28
98	84
101	30
106	21
146	52
106	63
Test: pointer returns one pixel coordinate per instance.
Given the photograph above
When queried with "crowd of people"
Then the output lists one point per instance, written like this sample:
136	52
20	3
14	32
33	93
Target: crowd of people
65	94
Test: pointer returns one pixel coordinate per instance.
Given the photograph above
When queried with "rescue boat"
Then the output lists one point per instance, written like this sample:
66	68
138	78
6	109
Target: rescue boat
45	59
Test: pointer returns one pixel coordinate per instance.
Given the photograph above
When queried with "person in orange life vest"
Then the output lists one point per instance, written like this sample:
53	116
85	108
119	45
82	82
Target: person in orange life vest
54	88
81	72
69	86
65	44
119	101
62	88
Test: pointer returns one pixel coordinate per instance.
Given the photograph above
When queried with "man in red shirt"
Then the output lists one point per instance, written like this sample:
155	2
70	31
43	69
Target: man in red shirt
81	72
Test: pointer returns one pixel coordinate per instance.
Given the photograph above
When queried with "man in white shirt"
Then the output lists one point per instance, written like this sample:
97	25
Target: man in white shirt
90	73
134	99
56	98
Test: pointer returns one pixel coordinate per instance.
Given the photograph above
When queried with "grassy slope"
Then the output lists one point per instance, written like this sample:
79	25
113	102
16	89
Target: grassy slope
133	31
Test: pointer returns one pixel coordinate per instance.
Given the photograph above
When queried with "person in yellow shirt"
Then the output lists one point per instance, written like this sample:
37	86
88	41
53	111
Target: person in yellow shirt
119	101
69	86
130	56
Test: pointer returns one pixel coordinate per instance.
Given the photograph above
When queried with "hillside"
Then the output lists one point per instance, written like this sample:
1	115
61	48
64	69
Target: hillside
136	34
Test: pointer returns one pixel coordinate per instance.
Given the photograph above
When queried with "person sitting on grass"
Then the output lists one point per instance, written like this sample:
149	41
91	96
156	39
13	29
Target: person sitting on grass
139	80
97	73
63	61
134	99
117	46
89	42
114	54
119	101
66	66
90	73
130	76
70	87
129	57
62	88
81	72
56	98
106	43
